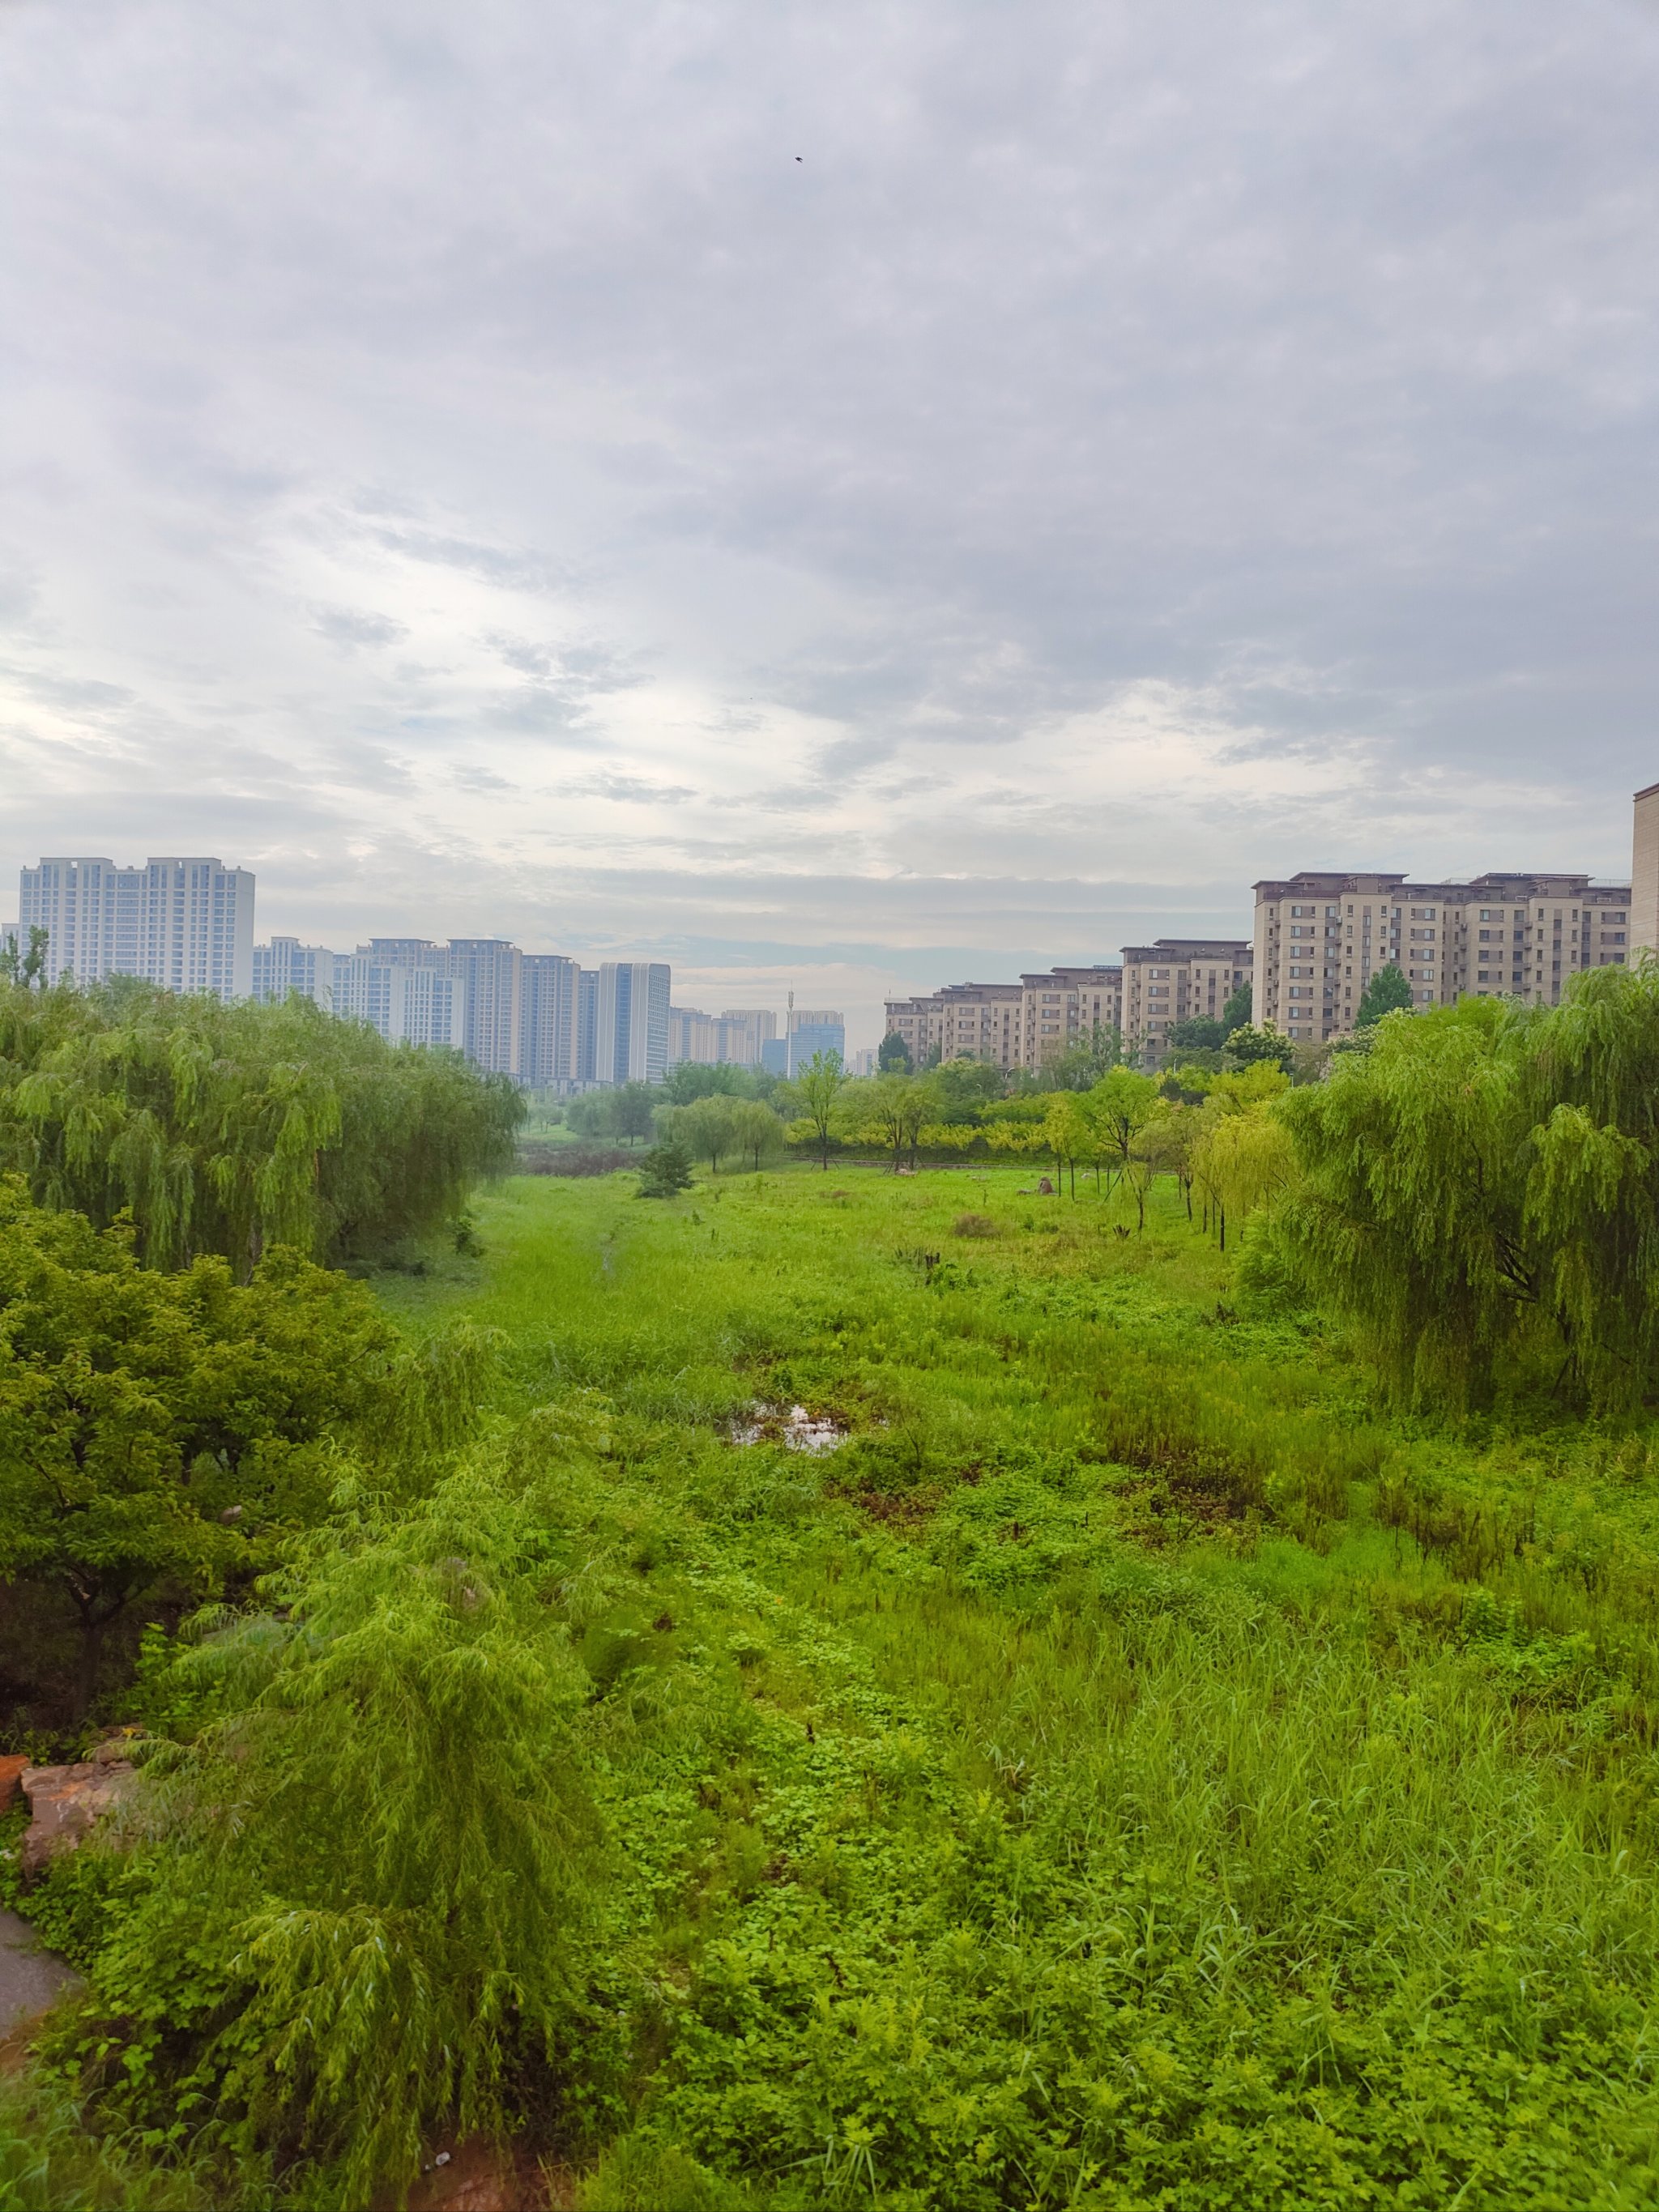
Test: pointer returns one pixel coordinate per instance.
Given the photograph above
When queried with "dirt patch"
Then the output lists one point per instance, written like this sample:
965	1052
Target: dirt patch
480	2177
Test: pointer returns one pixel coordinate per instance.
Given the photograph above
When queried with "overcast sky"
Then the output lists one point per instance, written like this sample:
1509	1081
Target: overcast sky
853	496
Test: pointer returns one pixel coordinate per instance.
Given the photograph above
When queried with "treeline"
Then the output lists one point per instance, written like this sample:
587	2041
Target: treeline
234	1128
1478	1193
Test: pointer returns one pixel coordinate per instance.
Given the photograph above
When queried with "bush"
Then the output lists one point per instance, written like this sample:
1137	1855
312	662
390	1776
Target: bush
387	1930
665	1170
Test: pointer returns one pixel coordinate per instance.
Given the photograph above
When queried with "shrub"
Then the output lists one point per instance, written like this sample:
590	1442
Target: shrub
665	1170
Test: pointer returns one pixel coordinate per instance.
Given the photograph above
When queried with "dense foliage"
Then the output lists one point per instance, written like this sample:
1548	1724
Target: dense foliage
165	1435
228	1128
1479	1191
1132	1770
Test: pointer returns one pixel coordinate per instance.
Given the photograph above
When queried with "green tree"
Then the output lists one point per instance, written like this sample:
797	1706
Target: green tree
892	1110
1121	1105
756	1130
172	1431
22	964
1387	993
1072	1133
709	1126
1241	1158
386	1938
1198	1033
692	1079
1085	1060
962	1088
1253	1042
894	1054
665	1170
1235	1014
812	1094
228	1128
634	1110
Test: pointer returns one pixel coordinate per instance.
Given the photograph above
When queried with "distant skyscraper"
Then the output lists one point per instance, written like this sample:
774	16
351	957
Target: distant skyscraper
407	1003
810	1032
587	1024
630	1026
491	968
549	1020
734	1036
186	923
285	965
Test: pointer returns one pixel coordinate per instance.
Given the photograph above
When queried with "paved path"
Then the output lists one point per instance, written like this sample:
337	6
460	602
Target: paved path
30	1976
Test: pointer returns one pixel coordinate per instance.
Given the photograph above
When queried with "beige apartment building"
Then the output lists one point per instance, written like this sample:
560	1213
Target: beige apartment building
964	1021
1320	937
1011	1024
1173	980
1644	872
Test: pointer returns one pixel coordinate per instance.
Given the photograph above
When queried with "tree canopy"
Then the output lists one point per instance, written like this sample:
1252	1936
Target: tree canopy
1484	1183
174	1431
1387	993
811	1095
228	1128
1261	1041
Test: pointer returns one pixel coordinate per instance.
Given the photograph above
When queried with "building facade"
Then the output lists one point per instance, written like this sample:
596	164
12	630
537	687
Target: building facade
284	965
1011	1024
735	1036
549	988
1175	978
1066	1007
407	1003
1320	937
185	922
1645	873
807	1033
630	1021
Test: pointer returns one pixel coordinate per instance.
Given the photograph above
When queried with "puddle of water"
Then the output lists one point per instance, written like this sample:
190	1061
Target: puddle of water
796	1430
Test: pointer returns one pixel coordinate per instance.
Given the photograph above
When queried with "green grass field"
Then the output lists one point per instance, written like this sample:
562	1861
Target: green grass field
1131	1771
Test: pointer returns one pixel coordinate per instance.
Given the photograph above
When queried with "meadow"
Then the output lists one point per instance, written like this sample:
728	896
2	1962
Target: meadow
1133	1768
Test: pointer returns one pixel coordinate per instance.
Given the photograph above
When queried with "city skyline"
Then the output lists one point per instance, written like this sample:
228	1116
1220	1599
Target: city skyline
1118	442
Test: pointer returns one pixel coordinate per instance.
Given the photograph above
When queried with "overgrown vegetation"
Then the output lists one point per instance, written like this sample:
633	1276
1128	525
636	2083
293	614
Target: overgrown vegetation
229	1129
1479	1192
1150	1764
162	1437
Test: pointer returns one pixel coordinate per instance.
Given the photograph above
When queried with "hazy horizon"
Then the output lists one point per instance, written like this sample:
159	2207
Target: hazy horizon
837	502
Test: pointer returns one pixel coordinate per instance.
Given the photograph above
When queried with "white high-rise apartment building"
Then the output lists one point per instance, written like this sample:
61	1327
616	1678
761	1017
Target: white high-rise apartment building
734	1036
630	1021
406	1003
185	922
285	965
550	987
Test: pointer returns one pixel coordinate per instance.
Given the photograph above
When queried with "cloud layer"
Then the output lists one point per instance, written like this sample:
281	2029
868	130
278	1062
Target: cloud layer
851	494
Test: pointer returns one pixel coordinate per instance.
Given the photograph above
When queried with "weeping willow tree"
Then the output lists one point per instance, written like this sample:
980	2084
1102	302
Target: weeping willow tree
1240	1158
1482	1187
359	1882
229	1129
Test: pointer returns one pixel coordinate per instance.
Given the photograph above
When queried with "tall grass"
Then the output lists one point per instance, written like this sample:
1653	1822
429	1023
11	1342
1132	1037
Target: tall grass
1133	1770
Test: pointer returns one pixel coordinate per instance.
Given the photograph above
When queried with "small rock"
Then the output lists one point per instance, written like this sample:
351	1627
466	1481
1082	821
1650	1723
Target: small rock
66	1802
11	1779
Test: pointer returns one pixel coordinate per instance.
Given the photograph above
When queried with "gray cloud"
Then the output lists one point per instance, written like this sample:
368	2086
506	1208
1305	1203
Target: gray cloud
1131	444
